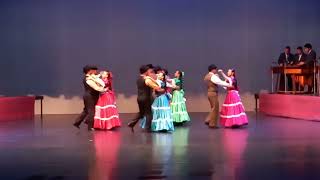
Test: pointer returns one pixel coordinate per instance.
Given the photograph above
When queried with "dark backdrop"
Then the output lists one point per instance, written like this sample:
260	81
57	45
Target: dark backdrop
45	43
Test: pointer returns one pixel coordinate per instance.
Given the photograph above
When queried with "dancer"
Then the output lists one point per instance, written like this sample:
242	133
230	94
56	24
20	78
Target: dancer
212	80
161	112
157	69
178	103
232	112
145	85
92	87
107	116
169	81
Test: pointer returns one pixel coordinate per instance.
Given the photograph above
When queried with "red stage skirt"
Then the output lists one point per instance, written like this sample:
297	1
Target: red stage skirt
106	116
232	112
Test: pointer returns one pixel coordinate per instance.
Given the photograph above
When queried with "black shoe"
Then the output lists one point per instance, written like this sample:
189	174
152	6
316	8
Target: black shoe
131	125
77	126
213	127
147	130
91	129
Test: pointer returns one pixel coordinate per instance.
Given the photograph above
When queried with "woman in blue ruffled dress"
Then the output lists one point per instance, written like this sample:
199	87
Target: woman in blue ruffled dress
161	111
162	115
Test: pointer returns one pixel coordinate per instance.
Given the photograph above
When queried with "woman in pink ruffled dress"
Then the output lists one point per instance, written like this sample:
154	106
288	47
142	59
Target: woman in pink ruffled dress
232	111
106	115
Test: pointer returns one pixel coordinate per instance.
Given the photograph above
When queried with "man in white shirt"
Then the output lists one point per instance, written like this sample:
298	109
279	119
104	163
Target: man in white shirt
213	80
93	87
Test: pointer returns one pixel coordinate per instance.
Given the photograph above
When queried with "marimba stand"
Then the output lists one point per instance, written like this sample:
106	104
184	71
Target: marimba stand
293	71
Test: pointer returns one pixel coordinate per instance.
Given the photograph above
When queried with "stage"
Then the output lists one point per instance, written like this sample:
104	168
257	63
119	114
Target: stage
269	148
305	107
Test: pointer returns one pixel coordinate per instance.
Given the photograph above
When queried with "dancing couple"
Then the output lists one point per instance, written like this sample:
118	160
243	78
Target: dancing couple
175	92
232	112
155	112
100	111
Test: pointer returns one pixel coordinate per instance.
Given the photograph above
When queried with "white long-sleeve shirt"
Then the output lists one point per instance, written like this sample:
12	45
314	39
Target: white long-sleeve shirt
96	83
216	80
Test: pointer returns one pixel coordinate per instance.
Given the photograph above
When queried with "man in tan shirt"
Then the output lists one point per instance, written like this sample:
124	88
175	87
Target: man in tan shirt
213	80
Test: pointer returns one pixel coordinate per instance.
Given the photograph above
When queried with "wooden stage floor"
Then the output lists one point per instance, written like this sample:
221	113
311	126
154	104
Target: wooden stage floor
52	149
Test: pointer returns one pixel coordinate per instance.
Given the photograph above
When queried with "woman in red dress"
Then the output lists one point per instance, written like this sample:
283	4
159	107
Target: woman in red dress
106	115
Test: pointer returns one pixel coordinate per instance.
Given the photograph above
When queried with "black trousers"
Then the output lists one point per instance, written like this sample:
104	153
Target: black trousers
144	111
88	112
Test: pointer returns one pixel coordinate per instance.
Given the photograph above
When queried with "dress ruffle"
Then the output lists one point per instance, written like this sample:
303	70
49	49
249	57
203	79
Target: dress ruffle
106	115
232	111
162	117
178	107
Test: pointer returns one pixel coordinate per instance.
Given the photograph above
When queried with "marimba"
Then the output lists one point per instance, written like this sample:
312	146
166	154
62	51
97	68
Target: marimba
294	71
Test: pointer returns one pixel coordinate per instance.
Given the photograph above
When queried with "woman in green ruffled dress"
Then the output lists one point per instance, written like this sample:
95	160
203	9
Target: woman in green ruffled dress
178	103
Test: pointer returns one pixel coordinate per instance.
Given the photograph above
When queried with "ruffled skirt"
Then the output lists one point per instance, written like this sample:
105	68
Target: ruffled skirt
161	112
178	107
232	112
106	115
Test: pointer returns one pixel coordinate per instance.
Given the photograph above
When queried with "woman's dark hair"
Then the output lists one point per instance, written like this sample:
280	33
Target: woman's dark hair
165	82
234	80
157	69
165	86
181	78
110	79
165	71
234	72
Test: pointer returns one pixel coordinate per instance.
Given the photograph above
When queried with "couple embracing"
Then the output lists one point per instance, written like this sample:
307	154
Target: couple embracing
154	111
232	112
100	111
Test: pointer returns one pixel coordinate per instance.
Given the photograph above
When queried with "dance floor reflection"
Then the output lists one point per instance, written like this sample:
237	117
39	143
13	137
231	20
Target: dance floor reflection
269	148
